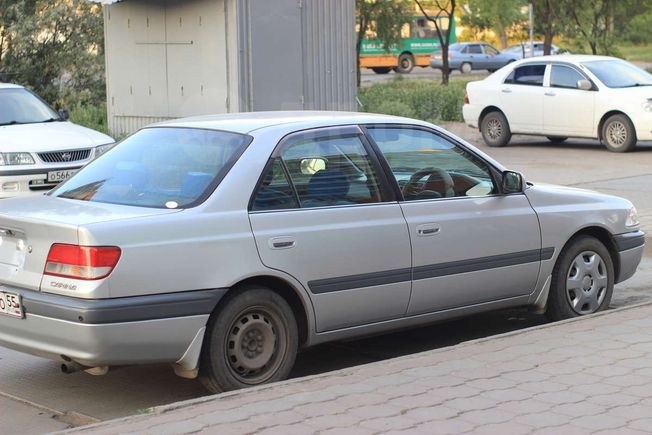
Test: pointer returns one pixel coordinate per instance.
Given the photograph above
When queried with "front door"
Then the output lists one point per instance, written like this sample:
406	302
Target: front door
567	110
470	245
324	214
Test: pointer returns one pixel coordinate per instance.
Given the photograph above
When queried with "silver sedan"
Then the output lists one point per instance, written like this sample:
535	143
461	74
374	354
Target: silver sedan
222	245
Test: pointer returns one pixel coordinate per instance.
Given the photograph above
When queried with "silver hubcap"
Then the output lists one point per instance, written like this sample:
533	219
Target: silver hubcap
616	134
494	129
586	283
254	347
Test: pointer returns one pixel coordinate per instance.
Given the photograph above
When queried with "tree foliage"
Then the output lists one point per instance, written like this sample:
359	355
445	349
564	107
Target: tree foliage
54	47
499	15
385	18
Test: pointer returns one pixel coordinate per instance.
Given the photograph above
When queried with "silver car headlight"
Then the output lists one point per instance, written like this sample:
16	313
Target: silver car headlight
103	149
12	159
632	218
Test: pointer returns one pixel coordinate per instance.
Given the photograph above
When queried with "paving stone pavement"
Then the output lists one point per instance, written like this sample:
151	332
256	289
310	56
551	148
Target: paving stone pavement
589	375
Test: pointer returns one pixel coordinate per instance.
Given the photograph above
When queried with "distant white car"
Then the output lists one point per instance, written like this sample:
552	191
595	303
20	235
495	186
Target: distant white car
564	96
523	49
39	148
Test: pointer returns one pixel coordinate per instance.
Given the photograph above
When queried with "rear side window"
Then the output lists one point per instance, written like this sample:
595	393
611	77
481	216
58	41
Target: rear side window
475	49
158	167
531	75
275	191
564	77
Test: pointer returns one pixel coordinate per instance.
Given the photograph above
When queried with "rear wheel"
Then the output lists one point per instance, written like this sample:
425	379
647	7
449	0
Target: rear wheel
557	139
495	129
466	68
381	69
251	340
582	280
405	63
618	134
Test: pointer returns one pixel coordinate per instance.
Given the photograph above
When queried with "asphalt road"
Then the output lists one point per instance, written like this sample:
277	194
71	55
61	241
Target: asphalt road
369	77
35	397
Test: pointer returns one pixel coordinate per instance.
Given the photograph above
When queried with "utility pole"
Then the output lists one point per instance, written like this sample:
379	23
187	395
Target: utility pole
531	10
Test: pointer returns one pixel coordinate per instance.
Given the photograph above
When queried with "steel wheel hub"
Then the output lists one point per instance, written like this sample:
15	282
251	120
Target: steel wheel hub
494	129
586	283
251	345
616	133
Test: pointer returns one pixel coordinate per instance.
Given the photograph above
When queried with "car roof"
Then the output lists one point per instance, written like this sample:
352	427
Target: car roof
9	86
247	122
572	58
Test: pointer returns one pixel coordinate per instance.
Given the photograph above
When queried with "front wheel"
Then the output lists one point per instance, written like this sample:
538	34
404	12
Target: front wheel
618	134
582	280
495	129
251	340
405	63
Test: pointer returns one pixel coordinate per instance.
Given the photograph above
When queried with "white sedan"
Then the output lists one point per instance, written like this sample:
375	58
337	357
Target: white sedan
564	96
39	147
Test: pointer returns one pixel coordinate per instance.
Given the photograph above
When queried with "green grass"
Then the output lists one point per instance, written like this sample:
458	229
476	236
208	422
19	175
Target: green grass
90	116
636	53
424	99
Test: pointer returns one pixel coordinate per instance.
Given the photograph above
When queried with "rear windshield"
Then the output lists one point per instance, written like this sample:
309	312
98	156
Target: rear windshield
158	167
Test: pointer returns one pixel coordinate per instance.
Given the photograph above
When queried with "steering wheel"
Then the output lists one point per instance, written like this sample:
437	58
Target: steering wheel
412	188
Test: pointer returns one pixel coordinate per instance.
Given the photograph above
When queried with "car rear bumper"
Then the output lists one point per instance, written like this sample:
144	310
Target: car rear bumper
137	330
630	252
438	64
471	114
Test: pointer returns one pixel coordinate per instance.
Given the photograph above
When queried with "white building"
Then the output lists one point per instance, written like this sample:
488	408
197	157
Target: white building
175	58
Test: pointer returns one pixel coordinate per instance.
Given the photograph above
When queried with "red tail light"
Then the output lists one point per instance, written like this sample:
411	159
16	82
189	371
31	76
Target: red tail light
81	262
466	98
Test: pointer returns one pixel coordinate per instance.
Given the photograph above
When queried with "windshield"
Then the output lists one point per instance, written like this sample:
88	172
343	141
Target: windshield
20	106
618	73
158	167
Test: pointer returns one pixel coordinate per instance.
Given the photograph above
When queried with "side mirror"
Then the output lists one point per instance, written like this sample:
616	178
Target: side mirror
512	182
584	85
312	166
63	114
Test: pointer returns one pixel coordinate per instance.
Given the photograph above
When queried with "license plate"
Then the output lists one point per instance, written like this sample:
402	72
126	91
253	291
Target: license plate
11	305
59	176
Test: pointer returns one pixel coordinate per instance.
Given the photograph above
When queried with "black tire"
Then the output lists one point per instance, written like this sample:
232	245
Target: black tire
252	339
466	68
495	129
618	134
405	63
557	139
381	69
565	302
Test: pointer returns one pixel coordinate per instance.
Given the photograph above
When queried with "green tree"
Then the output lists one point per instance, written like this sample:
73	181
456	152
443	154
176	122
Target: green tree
385	18
445	9
498	15
54	47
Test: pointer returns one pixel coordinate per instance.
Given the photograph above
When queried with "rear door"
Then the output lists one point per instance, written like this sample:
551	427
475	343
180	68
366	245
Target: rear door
324	213
521	98
470	245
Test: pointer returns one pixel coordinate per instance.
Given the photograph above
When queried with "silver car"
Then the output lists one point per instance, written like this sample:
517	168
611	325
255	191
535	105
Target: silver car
224	244
471	56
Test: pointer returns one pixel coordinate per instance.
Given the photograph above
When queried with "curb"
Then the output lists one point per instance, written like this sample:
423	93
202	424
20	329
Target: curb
163	409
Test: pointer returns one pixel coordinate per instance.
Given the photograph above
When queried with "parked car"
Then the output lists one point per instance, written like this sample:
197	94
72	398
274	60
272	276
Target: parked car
39	147
564	96
223	244
524	49
469	56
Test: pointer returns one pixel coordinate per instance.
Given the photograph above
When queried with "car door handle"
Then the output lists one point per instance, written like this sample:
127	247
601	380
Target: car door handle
506	91
550	94
284	242
428	229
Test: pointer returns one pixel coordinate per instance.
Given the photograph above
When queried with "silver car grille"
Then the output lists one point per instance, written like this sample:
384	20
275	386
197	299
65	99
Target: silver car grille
65	156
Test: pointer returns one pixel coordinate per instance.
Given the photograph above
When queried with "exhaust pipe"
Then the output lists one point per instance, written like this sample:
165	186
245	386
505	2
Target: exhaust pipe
69	367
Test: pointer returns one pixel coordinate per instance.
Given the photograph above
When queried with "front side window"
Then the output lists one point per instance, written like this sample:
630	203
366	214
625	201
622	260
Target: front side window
564	77
19	106
158	167
428	166
531	75
331	171
488	49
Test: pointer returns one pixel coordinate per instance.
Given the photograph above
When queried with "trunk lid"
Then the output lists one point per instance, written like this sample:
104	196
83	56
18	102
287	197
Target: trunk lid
29	227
